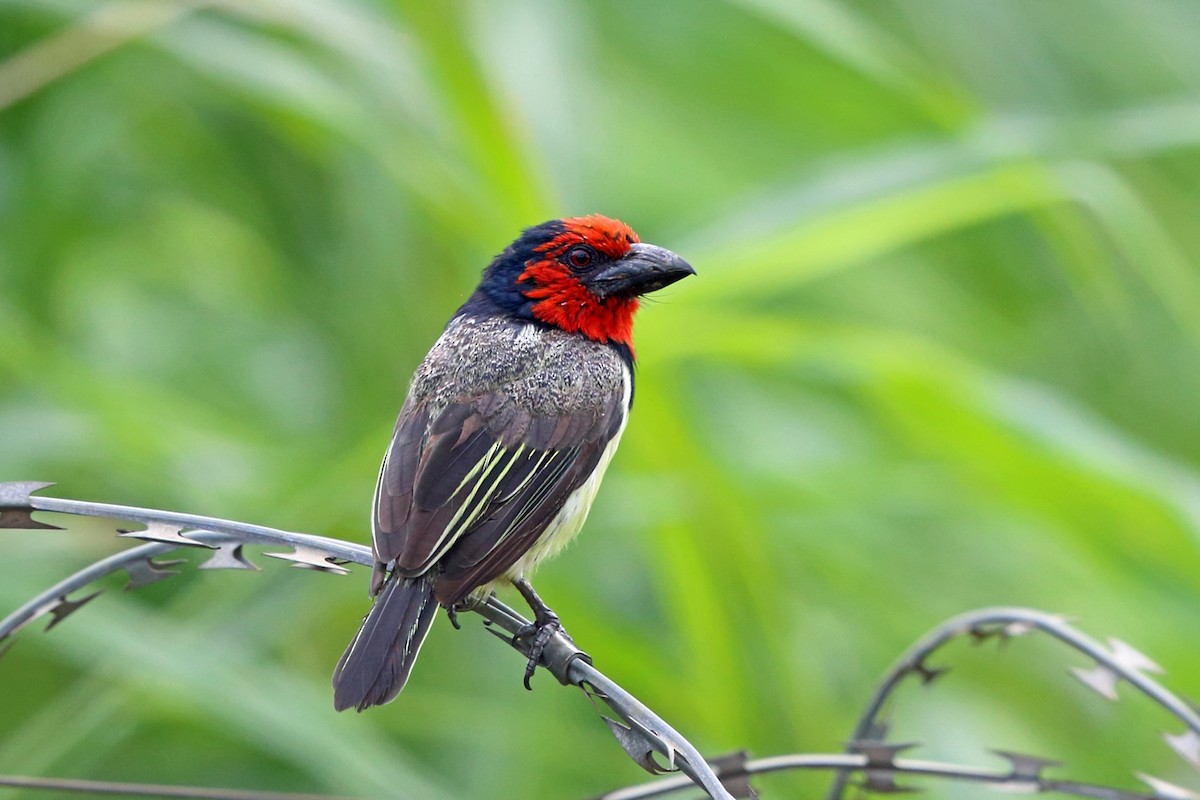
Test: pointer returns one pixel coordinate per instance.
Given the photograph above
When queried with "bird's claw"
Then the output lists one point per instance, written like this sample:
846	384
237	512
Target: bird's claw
468	603
542	630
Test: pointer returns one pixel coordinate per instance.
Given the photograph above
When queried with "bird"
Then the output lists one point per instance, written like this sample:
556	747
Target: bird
508	426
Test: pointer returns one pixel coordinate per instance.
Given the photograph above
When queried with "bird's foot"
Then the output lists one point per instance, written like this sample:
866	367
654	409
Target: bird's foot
539	632
543	628
469	603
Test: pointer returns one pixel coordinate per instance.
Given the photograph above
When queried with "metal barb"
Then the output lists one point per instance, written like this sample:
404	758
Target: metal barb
1100	679
927	673
879	754
664	742
879	772
21	519
508	639
147	571
305	557
1186	744
636	745
1164	790
1132	659
882	781
18	494
593	694
1014	629
229	556
65	608
1023	768
983	631
163	532
16	506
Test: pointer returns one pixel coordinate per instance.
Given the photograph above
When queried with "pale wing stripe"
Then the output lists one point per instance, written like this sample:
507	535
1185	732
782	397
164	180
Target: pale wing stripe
547	457
485	465
473	470
492	488
537	497
548	478
471	508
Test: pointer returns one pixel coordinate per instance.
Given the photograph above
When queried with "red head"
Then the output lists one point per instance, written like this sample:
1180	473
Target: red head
581	274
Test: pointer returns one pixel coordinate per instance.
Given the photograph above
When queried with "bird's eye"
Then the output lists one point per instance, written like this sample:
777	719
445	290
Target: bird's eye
580	257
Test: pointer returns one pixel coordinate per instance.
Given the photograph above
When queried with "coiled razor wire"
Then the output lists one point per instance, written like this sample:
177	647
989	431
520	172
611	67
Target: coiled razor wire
870	764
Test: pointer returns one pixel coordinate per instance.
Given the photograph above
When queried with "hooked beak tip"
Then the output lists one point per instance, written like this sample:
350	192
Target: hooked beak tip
643	269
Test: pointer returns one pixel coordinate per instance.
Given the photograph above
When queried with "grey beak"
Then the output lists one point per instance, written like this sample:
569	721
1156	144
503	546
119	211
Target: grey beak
643	269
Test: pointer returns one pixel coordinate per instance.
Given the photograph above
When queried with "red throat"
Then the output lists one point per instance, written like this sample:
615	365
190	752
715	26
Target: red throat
563	301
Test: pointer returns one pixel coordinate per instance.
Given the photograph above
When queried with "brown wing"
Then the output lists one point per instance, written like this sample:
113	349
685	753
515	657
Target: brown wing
475	486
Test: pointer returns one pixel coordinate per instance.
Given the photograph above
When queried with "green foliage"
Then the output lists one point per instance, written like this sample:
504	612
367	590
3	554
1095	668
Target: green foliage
941	353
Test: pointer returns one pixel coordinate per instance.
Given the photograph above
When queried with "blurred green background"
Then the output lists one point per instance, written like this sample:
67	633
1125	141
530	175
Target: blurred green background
941	353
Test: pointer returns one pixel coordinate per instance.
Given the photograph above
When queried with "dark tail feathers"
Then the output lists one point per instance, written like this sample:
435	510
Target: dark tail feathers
377	663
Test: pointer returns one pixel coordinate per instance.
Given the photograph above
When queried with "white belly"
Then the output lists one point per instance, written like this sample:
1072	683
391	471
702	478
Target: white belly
568	522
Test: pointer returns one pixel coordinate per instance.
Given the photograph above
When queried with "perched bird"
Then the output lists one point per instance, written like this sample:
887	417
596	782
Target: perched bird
509	424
